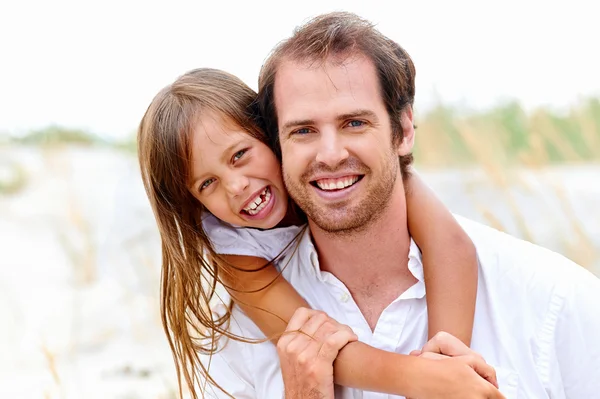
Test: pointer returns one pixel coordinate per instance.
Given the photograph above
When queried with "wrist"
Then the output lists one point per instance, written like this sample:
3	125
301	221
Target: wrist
414	376
404	372
388	372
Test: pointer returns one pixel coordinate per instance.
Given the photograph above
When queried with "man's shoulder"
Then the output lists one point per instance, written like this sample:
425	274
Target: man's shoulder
522	262
490	241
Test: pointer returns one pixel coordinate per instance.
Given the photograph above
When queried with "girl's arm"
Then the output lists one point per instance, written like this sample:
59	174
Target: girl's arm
449	261
272	307
450	269
262	293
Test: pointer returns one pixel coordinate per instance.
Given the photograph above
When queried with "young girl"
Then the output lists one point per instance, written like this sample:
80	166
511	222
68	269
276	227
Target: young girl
204	161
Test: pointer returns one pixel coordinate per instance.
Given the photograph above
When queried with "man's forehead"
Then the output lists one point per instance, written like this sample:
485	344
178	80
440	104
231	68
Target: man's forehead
290	68
302	84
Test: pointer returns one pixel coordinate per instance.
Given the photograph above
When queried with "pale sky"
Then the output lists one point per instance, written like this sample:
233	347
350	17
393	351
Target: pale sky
97	64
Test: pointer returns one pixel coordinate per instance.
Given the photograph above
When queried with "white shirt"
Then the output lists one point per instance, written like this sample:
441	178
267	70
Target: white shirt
537	321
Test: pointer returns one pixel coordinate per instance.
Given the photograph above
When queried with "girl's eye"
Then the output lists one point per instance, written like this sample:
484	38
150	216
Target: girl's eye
206	183
356	123
238	155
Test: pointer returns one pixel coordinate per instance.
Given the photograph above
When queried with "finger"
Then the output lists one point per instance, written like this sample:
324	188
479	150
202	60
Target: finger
314	323
447	344
303	324
334	343
484	370
433	356
331	326
292	349
497	395
300	316
309	353
415	353
494	393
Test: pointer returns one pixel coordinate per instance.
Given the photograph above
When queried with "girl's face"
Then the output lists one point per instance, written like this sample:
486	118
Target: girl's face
235	176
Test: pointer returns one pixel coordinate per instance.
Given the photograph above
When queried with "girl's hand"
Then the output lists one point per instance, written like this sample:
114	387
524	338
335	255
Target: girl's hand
307	351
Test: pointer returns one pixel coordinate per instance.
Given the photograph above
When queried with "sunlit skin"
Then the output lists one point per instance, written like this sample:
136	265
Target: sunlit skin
339	161
232	173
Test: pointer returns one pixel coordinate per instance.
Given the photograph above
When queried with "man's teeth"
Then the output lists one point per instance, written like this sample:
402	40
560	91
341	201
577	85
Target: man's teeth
258	203
336	184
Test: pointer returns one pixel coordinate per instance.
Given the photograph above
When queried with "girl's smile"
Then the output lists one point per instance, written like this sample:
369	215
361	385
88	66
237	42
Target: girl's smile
236	176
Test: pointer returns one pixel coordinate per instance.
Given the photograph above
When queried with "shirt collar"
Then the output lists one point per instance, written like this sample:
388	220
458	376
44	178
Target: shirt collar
309	258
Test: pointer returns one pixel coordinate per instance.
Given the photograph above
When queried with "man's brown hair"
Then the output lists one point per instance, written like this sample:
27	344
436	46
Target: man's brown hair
334	37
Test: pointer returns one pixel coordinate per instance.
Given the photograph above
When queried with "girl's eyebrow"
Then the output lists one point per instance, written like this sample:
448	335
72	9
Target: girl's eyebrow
197	180
228	150
224	158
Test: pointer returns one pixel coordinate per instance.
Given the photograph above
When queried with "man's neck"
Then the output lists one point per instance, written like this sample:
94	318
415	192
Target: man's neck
372	262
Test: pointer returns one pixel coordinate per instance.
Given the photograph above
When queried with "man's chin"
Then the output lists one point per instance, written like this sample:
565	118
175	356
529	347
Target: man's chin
337	220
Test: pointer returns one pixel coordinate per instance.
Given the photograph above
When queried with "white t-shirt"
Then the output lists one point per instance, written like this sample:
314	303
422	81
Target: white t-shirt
536	321
227	239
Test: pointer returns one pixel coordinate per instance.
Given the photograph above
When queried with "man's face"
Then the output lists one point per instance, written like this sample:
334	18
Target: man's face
339	162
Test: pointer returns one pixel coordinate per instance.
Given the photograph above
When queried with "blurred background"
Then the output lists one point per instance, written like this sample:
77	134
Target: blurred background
508	116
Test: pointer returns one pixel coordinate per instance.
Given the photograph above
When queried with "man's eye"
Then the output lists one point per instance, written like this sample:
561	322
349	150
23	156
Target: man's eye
355	123
206	183
238	155
304	130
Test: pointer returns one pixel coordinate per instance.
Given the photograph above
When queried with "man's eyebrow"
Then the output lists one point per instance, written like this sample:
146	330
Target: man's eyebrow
359	113
300	122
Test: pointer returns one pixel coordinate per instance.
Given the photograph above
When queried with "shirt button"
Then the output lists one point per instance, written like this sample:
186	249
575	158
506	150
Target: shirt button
313	259
345	297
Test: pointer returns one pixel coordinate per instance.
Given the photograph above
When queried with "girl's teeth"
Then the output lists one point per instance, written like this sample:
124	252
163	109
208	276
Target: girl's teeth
259	203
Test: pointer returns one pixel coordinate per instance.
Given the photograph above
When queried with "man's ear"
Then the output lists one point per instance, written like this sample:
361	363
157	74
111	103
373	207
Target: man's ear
408	128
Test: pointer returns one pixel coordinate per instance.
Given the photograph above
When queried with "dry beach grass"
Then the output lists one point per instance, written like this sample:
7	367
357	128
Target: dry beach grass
80	268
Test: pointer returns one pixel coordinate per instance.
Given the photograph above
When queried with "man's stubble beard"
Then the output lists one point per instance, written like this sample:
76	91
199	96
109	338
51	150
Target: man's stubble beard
344	219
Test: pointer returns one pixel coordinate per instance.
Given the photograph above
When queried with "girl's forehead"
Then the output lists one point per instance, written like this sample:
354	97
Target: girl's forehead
214	138
218	127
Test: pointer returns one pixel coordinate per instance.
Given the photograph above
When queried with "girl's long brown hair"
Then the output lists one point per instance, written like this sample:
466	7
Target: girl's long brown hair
190	267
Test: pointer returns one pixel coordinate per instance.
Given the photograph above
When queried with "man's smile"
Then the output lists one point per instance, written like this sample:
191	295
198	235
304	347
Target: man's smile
339	183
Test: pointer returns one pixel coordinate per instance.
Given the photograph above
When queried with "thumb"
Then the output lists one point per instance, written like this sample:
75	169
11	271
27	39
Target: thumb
433	356
446	344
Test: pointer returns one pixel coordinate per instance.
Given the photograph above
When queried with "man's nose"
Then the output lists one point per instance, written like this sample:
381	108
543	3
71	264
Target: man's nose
236	184
332	149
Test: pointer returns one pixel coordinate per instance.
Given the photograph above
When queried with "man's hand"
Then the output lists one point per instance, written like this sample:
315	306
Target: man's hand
307	351
456	371
444	345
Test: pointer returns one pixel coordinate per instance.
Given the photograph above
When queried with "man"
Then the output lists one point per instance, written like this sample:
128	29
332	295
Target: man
338	98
